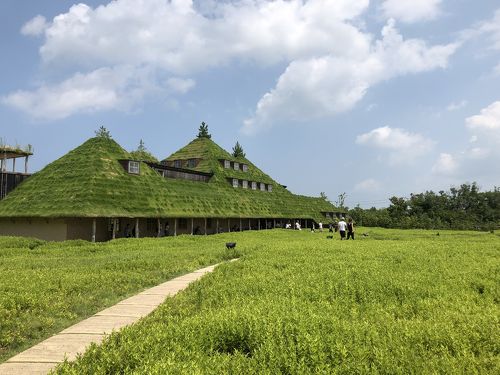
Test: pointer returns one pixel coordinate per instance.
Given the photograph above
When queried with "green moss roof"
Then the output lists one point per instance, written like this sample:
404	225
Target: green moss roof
89	181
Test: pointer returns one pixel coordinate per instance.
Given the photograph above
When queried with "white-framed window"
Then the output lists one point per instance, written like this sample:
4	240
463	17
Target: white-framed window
177	163
227	164
133	167
254	185
235	182
191	163
236	166
269	187
262	187
245	167
245	184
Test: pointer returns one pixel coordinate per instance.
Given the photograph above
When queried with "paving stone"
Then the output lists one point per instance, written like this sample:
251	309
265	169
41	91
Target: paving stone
100	324
136	311
26	368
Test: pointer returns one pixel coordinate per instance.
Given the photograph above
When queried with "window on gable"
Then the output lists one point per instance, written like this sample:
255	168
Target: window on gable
191	163
235	182
236	166
245	184
262	186
254	185
269	187
133	167
245	168
177	163
227	164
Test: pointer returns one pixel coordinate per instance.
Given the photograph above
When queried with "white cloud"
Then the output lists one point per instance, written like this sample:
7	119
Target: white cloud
323	86
488	119
369	184
402	146
331	62
455	106
410	10
36	26
445	165
102	89
180	85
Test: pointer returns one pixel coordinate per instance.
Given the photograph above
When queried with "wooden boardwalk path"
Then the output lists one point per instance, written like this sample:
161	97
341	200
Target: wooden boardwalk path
43	357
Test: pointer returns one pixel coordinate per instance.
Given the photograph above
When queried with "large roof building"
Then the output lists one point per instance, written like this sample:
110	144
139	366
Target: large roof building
99	191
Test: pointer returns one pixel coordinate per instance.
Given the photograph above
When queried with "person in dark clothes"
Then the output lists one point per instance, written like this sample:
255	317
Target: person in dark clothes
350	229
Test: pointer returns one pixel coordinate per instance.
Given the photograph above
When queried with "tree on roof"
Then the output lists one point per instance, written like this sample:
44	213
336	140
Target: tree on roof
203	131
143	154
238	151
102	132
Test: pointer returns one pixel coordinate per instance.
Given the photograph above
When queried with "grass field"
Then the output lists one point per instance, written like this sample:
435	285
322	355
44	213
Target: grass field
296	302
46	286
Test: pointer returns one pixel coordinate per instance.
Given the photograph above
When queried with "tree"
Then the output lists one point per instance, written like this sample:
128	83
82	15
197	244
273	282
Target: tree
323	196
238	151
341	200
102	132
143	154
203	131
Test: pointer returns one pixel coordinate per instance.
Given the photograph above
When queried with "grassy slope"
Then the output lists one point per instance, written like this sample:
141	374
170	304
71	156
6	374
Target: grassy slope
393	302
45	287
90	182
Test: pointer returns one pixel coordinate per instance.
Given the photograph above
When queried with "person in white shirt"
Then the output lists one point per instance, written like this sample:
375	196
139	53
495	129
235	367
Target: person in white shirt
320	226
342	225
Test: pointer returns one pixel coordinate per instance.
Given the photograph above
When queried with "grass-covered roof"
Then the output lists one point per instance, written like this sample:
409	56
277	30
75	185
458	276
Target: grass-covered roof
89	181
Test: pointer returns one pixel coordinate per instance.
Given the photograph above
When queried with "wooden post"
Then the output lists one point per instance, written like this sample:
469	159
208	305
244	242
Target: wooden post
159	228
259	224
93	229
113	236
14	165
249	224
241	225
136	228
192	226
26	165
306	224
229	225
175	227
274	223
205	226
217	226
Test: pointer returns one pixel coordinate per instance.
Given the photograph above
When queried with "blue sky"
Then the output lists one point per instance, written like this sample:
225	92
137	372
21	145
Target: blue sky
371	98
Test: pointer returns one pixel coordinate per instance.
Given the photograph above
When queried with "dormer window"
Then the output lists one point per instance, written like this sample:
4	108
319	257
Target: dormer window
254	185
245	167
133	167
262	187
245	184
227	164
269	187
236	166
235	182
177	163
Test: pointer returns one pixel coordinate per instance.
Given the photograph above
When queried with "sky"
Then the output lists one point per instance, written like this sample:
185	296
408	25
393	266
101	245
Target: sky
368	98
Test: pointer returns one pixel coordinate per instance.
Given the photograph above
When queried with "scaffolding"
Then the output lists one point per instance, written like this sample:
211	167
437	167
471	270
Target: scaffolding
9	179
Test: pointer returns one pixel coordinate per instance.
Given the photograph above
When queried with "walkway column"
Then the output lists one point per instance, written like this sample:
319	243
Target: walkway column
259	224
217	226
113	236
93	229
205	226
241	226
192	226
249	224
229	225
26	164
159	228
14	165
306	224
274	223
175	227
136	228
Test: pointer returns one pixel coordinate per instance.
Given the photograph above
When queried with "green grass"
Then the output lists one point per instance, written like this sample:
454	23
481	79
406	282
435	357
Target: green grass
90	182
394	302
45	286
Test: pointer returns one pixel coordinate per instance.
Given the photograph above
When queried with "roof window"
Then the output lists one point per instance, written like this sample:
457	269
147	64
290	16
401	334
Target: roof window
133	167
227	164
235	182
245	167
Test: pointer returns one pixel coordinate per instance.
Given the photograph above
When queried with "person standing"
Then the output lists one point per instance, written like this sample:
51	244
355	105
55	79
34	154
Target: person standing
320	226
350	229
342	225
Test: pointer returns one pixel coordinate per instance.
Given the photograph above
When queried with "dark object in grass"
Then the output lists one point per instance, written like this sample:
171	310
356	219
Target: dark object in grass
437	234
329	237
230	245
365	234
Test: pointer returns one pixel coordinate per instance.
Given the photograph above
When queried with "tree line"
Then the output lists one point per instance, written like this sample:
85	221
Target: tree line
465	207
